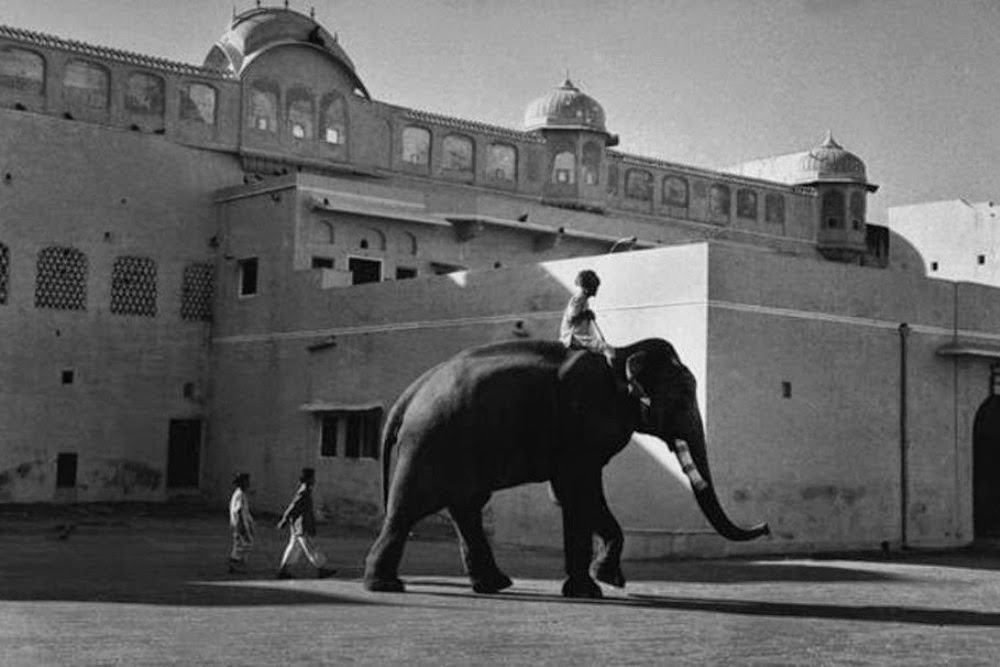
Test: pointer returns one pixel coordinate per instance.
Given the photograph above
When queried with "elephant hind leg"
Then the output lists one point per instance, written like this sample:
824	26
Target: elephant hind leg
385	554
477	554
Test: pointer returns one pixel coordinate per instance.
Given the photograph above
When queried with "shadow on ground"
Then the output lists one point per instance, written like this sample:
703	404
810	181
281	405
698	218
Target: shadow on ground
744	607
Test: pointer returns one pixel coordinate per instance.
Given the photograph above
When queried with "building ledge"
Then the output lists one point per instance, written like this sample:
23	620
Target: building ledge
970	349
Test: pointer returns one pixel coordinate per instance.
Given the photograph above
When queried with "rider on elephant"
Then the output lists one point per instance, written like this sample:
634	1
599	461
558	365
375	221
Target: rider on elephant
578	330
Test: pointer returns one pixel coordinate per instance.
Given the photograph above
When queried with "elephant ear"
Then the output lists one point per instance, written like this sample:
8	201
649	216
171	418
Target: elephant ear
645	365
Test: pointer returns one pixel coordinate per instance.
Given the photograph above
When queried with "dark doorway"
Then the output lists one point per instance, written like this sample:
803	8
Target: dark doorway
364	270
183	453
986	469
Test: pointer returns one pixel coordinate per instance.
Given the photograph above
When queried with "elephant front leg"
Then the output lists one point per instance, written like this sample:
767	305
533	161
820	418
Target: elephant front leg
477	554
607	564
578	501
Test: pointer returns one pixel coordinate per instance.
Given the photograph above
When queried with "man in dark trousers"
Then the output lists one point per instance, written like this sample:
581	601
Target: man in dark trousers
302	529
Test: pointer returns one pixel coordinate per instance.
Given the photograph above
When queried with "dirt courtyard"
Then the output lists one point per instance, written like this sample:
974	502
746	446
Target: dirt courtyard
141	585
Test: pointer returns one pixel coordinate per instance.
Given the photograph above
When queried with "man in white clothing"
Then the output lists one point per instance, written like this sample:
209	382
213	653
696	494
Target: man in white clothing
241	523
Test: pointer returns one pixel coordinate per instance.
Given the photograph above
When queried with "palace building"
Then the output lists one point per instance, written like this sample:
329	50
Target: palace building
239	265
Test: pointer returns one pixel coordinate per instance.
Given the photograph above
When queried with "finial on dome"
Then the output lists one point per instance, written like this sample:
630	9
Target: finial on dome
829	142
568	82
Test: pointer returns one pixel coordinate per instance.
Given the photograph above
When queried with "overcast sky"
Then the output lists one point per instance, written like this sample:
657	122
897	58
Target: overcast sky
908	85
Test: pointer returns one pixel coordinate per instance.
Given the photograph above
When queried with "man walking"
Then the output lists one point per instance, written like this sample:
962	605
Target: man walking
241	523
302	529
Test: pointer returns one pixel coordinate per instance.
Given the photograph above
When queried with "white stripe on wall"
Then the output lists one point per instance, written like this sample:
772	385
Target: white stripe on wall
552	314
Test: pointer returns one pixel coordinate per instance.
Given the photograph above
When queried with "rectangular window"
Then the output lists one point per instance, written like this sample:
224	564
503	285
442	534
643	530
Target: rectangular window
66	470
981	259
329	423
364	270
248	276
405	272
934	266
322	262
67	376
352	434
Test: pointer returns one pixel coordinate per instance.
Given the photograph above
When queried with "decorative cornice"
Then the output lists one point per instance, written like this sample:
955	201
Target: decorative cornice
162	64
655	163
471	125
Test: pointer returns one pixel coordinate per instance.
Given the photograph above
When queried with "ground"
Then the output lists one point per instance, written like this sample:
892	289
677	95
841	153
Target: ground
141	585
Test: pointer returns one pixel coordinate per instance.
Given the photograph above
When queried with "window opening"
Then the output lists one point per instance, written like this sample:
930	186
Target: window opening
416	145
133	286
61	281
364	270
352	434
66	463
405	273
144	94
86	85
198	103
196	291
248	276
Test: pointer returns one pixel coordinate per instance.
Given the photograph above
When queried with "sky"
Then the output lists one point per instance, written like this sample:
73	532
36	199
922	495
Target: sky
910	86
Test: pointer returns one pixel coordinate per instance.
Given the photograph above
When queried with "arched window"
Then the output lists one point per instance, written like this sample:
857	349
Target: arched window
4	272
301	121
675	191
613	178
333	119
409	244
746	204
833	209
564	168
61	279
322	232
501	163
263	106
86	85
857	210
371	239
719	200
591	163
416	145
457	153
774	208
133	286
198	103
144	94
23	71
639	184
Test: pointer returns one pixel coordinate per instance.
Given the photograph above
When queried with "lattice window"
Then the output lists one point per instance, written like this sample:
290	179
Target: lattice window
133	286
4	272
196	291
61	282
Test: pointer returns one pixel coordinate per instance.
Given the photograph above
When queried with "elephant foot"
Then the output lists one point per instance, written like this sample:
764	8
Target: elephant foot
610	575
384	585
581	588
492	584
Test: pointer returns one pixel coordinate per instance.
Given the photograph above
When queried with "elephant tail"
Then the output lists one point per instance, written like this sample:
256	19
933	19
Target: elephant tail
391	430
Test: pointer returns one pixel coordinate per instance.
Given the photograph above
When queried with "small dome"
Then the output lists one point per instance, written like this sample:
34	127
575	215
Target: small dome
257	30
830	162
565	108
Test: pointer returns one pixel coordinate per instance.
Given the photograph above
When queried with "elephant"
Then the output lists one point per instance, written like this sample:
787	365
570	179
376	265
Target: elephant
509	413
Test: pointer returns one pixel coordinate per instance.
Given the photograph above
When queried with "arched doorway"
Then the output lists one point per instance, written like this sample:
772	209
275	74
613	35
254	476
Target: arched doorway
986	469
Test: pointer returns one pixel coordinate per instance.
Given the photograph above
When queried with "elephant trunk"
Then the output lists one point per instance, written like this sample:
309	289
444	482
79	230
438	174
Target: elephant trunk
704	493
